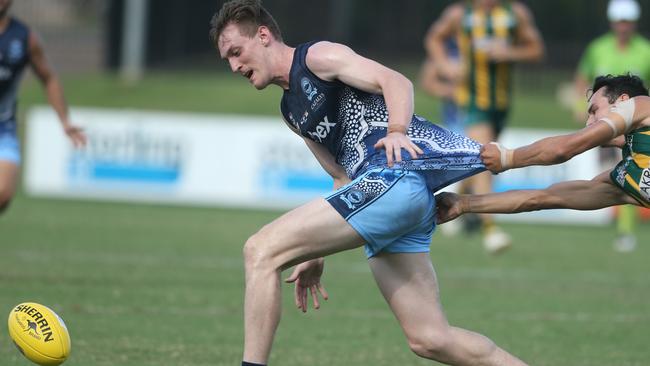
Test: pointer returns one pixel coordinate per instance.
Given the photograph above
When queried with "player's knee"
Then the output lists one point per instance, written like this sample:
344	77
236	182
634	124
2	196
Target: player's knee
257	253
432	345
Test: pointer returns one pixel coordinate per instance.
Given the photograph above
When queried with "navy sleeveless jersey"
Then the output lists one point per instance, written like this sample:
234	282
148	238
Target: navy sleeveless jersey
349	121
14	55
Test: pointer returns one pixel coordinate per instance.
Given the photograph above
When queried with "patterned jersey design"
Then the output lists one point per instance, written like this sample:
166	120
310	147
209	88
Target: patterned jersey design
349	122
363	192
14	56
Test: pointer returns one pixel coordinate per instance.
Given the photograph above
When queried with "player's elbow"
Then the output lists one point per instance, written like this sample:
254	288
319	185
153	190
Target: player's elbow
544	199
538	53
560	155
536	200
406	82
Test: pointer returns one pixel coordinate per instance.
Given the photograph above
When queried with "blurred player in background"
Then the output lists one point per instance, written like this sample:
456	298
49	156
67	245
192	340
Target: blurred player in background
19	46
620	51
619	115
491	35
434	82
385	168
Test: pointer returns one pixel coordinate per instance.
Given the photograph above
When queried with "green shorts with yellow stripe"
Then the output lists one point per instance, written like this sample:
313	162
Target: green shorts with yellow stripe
633	180
491	116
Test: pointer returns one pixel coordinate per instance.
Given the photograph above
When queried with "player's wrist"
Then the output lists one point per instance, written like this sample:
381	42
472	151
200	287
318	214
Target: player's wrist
396	129
465	205
506	156
509	159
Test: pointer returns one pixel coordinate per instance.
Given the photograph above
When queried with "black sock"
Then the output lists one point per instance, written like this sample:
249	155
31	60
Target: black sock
244	363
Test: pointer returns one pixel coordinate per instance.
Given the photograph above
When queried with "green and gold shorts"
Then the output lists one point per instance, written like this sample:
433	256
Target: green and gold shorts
633	180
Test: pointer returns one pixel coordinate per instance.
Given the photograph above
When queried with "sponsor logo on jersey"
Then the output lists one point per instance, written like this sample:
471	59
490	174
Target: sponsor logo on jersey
16	51
620	176
304	117
644	184
308	88
322	130
318	102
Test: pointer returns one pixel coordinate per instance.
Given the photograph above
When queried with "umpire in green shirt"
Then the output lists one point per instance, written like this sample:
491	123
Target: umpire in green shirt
620	51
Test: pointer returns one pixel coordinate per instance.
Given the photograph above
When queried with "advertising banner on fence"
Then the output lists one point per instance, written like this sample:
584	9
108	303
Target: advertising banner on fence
220	160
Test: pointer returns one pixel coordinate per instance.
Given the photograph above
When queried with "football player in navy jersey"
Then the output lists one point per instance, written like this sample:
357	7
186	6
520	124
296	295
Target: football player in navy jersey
385	166
19	47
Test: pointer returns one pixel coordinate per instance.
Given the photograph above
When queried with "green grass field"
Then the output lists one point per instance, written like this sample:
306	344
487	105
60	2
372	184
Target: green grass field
160	285
149	285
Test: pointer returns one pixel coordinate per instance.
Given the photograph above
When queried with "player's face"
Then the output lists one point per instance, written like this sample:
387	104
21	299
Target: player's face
245	55
623	29
598	106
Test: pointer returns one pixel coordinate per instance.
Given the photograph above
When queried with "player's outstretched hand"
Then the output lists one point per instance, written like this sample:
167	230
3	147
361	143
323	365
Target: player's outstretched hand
306	277
491	157
448	207
75	134
393	143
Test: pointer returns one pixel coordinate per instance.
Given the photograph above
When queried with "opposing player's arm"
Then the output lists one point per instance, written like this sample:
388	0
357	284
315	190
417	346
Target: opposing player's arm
53	89
577	195
327	161
529	45
625	116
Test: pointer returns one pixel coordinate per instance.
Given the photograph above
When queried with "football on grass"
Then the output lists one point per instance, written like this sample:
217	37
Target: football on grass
39	334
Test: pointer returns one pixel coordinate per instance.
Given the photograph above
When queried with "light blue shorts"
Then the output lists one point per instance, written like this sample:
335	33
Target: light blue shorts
9	147
393	210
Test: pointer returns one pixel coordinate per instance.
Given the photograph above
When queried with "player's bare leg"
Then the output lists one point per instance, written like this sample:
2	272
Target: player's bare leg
409	285
310	231
8	179
494	240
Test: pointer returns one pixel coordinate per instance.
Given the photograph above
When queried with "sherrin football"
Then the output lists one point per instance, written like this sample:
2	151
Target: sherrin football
39	334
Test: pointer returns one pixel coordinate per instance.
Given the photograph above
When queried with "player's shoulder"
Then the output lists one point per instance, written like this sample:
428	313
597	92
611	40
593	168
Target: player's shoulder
320	47
604	42
642	101
455	9
521	10
643	42
642	109
17	25
326	51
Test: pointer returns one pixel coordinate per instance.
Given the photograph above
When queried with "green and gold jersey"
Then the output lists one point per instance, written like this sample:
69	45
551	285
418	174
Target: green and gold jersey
632	174
487	84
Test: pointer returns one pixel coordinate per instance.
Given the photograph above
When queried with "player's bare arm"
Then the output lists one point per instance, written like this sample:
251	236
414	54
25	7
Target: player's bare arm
53	89
328	162
604	128
332	61
577	195
306	276
446	27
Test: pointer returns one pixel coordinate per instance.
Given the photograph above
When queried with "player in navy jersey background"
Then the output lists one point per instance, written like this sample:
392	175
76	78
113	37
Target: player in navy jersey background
19	47
385	166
